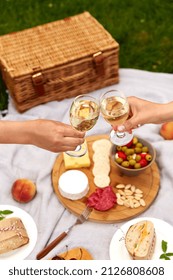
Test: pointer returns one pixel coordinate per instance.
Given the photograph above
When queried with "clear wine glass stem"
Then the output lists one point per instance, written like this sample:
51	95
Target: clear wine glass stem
78	148
79	151
120	134
120	138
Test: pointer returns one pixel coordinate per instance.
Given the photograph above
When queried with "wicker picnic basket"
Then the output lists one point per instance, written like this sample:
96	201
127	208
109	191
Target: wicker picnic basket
58	60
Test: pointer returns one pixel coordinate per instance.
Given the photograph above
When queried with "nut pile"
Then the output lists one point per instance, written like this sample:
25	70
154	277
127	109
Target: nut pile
129	196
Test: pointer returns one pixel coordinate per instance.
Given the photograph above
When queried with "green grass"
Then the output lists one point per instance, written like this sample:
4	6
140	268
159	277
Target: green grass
143	28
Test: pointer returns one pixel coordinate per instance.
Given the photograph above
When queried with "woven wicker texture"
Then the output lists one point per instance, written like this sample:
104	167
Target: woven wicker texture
63	51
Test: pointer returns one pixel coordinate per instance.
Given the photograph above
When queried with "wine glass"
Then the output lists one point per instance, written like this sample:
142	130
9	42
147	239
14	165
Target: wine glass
84	113
115	110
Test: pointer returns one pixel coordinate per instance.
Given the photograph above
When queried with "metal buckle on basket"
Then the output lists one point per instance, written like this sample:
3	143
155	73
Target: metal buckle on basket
99	62
38	83
37	78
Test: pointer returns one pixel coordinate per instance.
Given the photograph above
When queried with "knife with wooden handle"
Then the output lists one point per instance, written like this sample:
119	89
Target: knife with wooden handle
48	248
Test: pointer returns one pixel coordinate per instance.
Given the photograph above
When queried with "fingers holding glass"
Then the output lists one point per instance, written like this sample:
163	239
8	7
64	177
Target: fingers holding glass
115	110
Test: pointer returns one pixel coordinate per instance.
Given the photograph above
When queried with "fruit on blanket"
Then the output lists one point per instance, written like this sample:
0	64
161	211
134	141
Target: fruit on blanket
23	190
166	130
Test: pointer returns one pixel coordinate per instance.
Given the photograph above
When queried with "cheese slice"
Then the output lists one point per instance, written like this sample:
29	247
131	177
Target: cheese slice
73	184
76	162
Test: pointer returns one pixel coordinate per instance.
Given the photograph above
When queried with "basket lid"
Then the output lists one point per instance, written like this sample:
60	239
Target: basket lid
53	44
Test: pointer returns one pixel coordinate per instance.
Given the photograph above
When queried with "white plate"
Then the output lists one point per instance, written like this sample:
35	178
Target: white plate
164	231
22	252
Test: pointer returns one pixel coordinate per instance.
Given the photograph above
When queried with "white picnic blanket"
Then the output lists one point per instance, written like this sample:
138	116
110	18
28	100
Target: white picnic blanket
48	213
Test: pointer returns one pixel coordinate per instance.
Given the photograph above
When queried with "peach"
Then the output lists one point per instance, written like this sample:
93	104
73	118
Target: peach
166	130
23	190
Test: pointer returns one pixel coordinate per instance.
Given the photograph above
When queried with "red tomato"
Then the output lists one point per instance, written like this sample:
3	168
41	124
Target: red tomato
122	155
143	162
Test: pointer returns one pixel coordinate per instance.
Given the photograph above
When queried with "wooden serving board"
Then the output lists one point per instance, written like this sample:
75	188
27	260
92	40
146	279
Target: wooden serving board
148	182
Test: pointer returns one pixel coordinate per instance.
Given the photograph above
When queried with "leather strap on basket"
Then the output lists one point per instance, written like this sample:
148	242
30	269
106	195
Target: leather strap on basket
98	59
38	81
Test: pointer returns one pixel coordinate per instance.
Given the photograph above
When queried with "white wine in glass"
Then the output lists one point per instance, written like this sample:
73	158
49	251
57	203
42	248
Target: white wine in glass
84	113
115	110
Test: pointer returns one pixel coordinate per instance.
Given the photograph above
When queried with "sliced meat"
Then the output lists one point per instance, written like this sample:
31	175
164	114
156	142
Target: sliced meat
102	199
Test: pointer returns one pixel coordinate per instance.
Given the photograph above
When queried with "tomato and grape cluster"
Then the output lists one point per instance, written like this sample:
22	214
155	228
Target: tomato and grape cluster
133	155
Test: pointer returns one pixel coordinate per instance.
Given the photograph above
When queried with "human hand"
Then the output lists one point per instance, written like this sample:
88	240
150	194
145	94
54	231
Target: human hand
55	136
141	112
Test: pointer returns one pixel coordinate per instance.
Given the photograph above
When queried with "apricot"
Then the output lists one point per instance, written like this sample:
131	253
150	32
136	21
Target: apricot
166	130
23	190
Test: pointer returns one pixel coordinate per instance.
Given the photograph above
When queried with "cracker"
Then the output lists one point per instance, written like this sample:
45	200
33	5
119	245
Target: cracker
102	144
100	157
101	160
101	169
101	180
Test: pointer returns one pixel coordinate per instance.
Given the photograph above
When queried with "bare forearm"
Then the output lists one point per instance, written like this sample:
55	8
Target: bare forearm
166	112
157	113
15	132
46	134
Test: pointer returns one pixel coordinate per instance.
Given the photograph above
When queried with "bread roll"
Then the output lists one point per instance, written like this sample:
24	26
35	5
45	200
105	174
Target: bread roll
140	240
12	234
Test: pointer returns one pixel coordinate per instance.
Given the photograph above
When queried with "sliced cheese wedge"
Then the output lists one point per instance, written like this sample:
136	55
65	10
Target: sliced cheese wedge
76	162
73	184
